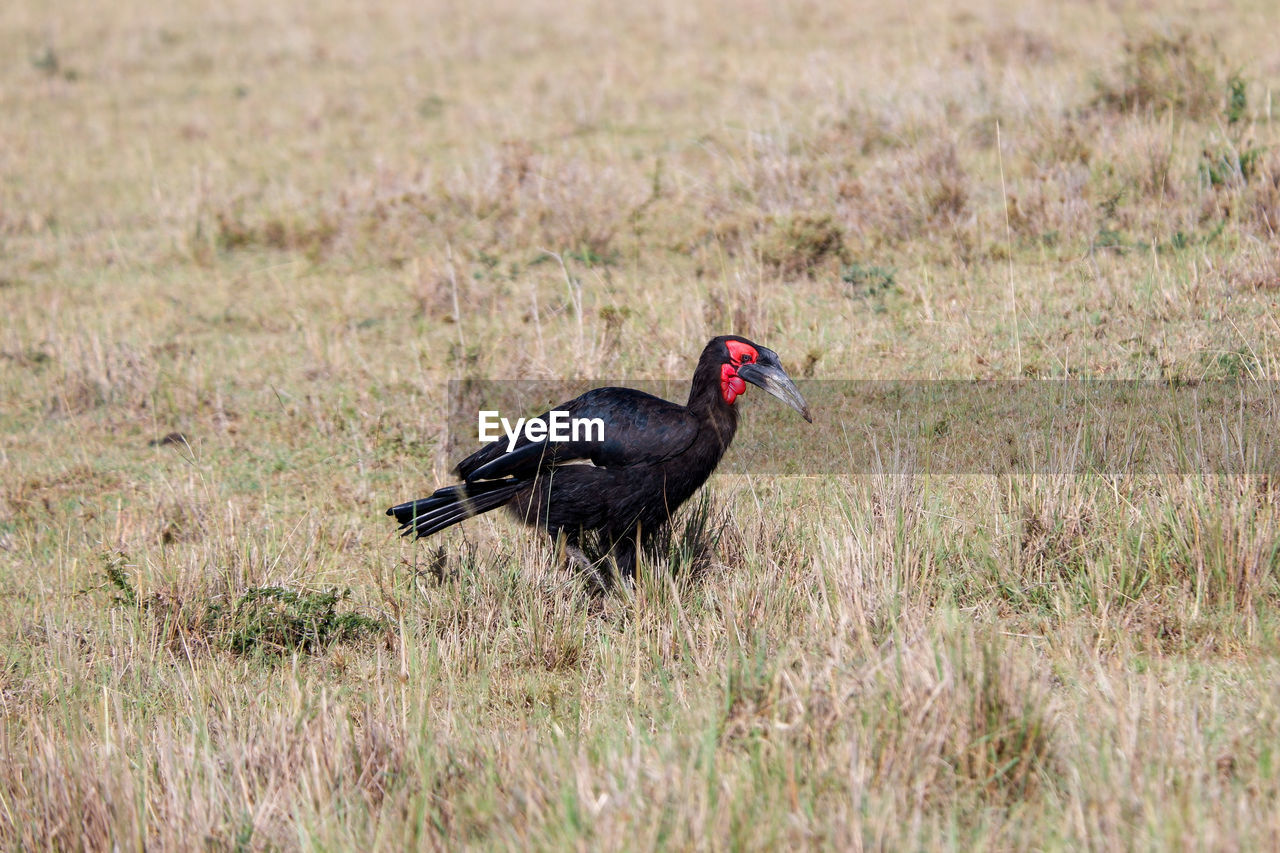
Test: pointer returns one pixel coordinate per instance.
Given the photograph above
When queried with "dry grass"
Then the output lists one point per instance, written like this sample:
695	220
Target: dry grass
243	249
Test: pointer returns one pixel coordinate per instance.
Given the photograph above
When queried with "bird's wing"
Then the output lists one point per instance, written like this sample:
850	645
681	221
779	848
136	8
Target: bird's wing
638	428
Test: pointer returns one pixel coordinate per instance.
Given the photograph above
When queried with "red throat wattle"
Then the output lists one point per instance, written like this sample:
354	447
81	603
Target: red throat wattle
731	384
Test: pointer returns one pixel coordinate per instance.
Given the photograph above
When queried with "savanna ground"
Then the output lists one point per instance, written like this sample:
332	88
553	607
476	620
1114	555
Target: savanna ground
276	230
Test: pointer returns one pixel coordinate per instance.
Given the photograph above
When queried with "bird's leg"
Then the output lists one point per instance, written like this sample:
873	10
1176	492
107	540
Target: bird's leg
623	557
595	570
578	558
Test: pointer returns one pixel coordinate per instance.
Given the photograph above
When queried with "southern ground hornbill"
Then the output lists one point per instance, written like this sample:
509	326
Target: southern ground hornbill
621	490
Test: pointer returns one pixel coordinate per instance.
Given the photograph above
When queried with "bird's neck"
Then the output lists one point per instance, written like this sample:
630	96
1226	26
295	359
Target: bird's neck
708	404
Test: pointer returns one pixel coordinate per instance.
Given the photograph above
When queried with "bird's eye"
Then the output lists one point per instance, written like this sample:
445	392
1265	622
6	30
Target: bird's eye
746	358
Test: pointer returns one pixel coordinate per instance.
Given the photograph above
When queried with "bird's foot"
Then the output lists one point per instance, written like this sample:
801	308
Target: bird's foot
597	572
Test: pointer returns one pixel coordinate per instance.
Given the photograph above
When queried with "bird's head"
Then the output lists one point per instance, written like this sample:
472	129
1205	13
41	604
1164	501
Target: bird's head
742	361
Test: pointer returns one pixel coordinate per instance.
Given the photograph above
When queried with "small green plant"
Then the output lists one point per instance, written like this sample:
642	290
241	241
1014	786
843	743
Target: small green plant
269	619
1229	364
432	106
1110	238
594	256
1237	99
118	579
1228	165
869	279
275	619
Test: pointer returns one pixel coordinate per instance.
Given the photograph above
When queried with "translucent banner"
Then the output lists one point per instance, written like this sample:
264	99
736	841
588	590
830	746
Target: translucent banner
962	427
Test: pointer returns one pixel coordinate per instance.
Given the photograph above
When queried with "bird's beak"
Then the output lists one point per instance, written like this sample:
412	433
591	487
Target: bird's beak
775	380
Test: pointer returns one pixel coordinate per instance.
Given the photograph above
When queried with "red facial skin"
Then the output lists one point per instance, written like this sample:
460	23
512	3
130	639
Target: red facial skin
731	384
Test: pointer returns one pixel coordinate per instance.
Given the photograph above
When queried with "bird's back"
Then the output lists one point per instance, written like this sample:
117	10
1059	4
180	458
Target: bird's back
638	428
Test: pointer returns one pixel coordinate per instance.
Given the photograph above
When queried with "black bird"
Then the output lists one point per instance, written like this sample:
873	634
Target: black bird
624	488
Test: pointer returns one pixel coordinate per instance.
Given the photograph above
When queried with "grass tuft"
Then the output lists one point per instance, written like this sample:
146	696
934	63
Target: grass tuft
1178	71
802	245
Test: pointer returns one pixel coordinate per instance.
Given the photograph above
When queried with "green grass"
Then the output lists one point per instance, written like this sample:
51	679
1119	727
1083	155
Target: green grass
279	232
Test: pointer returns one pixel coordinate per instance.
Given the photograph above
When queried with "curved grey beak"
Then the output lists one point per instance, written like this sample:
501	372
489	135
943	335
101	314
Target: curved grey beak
767	373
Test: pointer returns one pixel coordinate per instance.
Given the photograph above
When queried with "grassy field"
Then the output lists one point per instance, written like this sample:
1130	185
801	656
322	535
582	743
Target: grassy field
273	232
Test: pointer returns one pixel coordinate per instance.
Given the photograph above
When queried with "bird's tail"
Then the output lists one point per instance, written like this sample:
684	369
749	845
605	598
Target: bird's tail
452	504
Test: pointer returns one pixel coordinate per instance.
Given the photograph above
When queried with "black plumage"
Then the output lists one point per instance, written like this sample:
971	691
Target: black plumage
620	490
